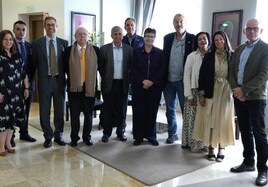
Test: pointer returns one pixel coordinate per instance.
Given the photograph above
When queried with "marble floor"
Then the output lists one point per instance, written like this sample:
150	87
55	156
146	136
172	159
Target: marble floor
32	166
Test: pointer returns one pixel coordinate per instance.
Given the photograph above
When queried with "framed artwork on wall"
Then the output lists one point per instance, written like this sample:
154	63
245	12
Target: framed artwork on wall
82	19
231	23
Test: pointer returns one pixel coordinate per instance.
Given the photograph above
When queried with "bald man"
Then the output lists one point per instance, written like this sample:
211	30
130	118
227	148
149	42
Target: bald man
248	79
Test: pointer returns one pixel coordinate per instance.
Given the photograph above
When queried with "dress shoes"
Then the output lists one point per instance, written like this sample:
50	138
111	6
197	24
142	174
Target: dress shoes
60	141
47	144
241	168
88	142
171	139
27	138
261	179
105	138
73	143
137	142
154	142
122	138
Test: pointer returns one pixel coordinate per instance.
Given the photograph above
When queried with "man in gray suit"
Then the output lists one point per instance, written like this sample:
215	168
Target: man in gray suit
114	67
248	79
48	59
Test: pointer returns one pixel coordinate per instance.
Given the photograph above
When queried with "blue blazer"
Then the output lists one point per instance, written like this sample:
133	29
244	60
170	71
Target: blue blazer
168	41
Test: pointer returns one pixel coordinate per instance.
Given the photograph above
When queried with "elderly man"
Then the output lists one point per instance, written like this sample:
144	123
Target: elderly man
114	67
81	64
248	79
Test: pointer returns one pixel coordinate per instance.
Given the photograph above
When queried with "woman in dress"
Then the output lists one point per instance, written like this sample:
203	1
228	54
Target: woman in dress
148	68
190	81
215	96
14	86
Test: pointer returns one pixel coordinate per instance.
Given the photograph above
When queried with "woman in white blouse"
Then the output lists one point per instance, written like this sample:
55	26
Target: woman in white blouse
190	80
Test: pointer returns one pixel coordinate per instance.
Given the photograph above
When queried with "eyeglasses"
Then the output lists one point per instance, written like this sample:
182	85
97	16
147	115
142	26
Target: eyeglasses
149	36
254	29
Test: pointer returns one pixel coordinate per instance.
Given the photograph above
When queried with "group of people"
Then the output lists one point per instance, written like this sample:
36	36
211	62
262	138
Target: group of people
208	79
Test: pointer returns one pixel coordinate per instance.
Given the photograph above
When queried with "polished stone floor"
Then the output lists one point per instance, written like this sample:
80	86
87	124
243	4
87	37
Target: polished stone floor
32	165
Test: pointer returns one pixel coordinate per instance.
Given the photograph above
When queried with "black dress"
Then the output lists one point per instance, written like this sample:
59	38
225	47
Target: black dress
12	75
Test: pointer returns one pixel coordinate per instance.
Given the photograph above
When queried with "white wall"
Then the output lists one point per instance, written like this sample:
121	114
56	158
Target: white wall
12	8
210	6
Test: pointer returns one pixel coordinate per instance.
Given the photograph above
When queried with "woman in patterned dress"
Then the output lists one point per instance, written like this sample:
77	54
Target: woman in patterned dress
13	90
190	81
215	95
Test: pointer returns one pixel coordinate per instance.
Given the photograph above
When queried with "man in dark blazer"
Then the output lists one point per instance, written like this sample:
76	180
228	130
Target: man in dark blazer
24	47
51	80
177	46
248	79
114	67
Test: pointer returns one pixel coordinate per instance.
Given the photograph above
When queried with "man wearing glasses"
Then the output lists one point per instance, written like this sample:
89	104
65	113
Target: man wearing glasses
248	79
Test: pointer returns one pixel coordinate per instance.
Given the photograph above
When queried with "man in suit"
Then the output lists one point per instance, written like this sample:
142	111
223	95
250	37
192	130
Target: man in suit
81	64
114	67
24	47
48	59
248	79
177	46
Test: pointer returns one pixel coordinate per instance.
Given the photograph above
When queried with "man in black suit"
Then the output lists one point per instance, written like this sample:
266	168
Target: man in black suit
48	59
114	67
177	46
81	64
20	30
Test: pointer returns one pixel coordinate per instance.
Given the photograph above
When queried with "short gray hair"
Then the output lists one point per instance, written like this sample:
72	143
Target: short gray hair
116	29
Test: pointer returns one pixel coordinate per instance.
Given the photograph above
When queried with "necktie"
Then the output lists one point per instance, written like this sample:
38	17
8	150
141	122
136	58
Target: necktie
23	52
52	59
83	65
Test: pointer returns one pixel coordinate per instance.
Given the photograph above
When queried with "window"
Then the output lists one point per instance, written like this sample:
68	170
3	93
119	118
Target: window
262	15
164	12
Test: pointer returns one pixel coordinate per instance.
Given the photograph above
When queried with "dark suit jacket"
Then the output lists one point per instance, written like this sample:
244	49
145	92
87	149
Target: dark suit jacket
41	63
106	66
168	41
66	58
255	73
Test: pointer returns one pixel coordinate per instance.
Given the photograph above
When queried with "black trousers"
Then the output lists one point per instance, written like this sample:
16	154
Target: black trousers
250	116
114	107
78	102
145	104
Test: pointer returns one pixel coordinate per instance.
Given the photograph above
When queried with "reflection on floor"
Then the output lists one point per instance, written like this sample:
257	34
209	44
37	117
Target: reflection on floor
32	165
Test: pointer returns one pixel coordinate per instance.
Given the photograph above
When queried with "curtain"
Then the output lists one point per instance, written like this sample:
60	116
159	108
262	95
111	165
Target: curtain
143	12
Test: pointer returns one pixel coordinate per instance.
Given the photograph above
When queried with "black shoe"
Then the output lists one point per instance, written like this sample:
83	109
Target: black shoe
219	158
154	142
60	141
27	138
12	142
211	157
241	168
73	143
171	139
88	142
261	179
122	138
47	144
137	142
105	138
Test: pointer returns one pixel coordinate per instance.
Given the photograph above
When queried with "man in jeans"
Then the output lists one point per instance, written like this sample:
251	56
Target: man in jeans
177	46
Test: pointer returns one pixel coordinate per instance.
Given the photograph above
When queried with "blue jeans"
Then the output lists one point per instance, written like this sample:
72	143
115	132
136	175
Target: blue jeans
171	91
